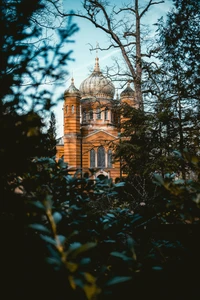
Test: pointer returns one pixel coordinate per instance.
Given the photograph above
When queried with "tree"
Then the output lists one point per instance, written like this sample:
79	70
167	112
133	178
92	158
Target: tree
179	43
50	139
123	28
172	123
28	61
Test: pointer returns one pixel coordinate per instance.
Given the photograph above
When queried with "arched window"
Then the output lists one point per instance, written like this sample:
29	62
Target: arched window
98	113
72	109
109	158
84	115
92	158
101	157
66	108
106	114
91	114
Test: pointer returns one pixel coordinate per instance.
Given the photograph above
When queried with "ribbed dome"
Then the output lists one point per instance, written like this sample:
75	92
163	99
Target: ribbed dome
97	85
128	92
72	89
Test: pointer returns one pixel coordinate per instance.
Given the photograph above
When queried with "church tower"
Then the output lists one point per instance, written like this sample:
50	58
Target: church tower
91	125
71	110
127	96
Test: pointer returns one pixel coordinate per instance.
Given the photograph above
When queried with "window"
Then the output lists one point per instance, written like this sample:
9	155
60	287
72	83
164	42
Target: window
98	113
106	113
91	114
84	115
109	158
101	157
72	109
92	158
66	108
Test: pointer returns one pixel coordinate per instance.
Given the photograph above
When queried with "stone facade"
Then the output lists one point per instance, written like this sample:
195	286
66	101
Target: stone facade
91	128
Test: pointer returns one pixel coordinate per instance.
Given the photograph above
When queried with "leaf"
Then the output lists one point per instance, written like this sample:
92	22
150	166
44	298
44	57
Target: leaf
91	291
48	239
75	207
91	279
39	227
57	217
72	267
74	246
120	255
53	261
38	204
85	261
72	282
118	279
61	238
110	215
136	217
85	247
158	179
109	241
157	268
120	184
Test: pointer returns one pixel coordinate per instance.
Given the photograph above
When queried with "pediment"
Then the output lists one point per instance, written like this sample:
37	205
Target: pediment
100	135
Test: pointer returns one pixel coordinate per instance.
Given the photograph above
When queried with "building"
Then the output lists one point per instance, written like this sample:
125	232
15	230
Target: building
91	125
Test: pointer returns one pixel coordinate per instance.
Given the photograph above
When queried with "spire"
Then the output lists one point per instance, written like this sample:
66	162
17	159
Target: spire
96	67
72	89
117	94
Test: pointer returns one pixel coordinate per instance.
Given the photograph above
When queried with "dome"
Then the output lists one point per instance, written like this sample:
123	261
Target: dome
72	89
97	85
128	92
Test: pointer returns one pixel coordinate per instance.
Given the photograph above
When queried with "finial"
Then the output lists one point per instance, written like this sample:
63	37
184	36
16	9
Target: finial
97	47
72	80
96	68
117	94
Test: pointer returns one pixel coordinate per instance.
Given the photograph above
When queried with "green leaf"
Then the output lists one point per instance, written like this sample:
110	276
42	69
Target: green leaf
118	279
39	227
61	238
120	255
109	241
48	239
83	248
38	204
158	179
57	217
157	268
110	215
120	184
85	261
53	261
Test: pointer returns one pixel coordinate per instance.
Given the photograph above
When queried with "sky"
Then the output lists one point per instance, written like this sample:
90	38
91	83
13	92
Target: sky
84	59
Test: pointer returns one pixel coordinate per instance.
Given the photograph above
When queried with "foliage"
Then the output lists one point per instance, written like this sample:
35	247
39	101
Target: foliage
50	139
181	197
99	254
81	240
182	27
29	61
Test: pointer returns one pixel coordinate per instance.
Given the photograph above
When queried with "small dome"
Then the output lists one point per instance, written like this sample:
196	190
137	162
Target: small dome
97	85
128	92
72	89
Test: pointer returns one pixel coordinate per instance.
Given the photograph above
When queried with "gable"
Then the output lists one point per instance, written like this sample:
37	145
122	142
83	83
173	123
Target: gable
100	135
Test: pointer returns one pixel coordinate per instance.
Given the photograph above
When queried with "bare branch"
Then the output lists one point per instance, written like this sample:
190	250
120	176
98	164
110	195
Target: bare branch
129	34
124	9
148	5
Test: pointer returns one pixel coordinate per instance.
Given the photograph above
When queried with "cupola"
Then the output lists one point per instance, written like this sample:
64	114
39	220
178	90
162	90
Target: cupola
72	90
97	85
128	92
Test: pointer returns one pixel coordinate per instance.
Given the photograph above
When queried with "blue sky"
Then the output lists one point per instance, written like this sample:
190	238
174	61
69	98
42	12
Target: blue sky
81	68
